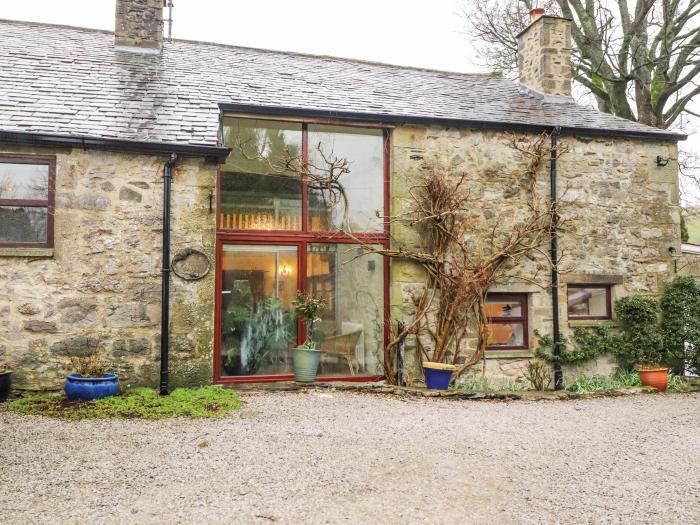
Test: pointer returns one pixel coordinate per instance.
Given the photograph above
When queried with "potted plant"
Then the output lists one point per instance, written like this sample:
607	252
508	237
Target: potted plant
438	375
90	379
642	344
306	356
5	381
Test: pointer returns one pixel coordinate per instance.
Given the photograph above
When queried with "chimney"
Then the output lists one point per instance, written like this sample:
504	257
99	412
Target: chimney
139	25
544	55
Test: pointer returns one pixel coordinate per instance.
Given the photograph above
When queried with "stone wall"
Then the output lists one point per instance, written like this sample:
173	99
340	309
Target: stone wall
621	214
102	284
544	56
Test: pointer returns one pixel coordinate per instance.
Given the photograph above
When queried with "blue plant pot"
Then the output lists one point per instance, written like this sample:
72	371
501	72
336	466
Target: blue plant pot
79	388
437	379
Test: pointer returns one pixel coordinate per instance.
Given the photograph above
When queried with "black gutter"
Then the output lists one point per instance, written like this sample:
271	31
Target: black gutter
331	115
554	255
134	146
165	278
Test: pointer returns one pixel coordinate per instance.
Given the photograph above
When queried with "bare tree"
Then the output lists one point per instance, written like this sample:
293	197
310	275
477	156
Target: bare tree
640	59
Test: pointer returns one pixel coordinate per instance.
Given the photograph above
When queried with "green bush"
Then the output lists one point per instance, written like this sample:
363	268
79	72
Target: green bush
641	341
680	324
585	344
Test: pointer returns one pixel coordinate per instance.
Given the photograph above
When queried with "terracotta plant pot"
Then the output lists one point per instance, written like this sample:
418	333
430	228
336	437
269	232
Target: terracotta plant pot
656	377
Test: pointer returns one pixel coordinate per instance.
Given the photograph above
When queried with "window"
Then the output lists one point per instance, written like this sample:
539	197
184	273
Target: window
588	302
261	187
292	216
26	202
507	321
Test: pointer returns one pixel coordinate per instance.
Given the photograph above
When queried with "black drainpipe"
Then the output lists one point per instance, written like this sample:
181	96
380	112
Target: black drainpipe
165	279
558	375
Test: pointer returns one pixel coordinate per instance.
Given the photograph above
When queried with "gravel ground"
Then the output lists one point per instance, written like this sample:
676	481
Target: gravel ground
332	457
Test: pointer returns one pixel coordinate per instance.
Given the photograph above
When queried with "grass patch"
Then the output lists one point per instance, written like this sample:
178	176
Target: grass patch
622	379
137	403
484	384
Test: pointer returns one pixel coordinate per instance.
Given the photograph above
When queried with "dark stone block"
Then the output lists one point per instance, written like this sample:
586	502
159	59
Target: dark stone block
40	326
127	194
122	347
75	346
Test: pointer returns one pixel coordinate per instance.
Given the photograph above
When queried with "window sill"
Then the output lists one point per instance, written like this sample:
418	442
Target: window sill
509	354
573	323
26	252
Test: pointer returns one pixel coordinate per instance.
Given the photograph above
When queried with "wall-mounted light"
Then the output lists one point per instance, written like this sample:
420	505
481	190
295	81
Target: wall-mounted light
285	270
675	257
211	200
661	161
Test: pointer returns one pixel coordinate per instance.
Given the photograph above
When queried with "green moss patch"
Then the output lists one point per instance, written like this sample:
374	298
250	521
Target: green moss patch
138	403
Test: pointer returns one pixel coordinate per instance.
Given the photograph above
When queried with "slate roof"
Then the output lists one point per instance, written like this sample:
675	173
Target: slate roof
71	81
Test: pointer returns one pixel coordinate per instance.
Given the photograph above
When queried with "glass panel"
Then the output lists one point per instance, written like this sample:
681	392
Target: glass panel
351	332
24	181
506	334
21	225
503	308
257	191
258	326
587	302
362	186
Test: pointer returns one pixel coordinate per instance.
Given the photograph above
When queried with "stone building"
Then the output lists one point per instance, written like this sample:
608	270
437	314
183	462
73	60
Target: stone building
91	122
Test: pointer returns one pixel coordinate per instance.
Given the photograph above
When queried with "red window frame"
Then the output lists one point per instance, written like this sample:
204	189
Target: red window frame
300	238
608	302
522	299
48	203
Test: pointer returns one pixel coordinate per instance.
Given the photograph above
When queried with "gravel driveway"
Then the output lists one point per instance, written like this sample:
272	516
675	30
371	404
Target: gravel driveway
327	457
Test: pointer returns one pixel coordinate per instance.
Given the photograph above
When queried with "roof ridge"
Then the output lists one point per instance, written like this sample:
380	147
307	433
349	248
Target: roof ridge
496	74
51	24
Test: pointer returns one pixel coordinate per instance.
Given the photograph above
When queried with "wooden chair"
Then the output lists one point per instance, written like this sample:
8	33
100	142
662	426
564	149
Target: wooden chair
343	346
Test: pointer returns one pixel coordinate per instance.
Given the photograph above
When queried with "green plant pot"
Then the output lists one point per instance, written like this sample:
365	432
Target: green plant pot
306	362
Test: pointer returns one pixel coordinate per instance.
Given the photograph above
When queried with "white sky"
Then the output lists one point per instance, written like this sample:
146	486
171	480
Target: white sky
412	33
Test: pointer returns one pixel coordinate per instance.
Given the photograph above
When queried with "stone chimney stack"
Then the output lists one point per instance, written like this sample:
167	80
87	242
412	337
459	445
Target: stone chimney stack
544	55
139	25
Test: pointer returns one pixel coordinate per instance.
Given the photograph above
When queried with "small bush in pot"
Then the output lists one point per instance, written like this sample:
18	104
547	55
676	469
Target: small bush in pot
90	379
642	345
306	356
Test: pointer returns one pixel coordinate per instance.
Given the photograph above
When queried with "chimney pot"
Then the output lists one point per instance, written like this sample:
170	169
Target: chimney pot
139	25
536	13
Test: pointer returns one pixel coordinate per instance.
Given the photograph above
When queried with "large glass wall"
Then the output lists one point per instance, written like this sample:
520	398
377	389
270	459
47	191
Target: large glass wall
297	203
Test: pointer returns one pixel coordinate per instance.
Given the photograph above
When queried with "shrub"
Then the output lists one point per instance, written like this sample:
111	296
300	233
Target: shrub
641	342
309	309
680	324
538	373
585	344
